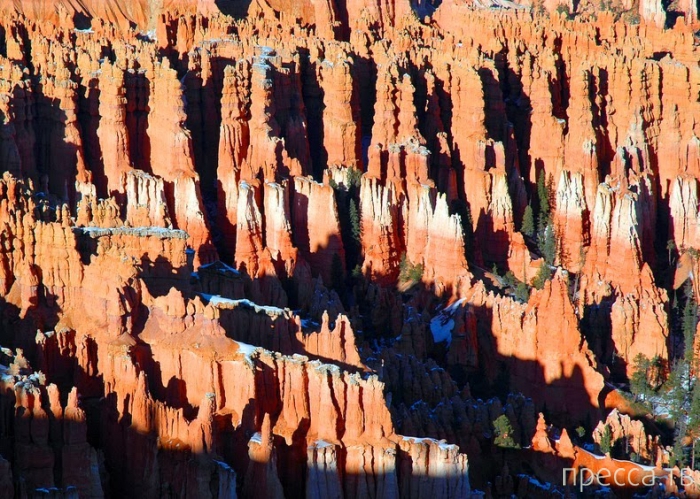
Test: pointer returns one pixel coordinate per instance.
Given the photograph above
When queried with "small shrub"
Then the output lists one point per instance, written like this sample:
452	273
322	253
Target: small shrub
538	8
357	272
504	433
543	274
354	177
522	292
409	272
510	279
631	17
563	10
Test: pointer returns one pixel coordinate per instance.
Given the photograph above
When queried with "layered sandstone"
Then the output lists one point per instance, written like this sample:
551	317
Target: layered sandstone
359	167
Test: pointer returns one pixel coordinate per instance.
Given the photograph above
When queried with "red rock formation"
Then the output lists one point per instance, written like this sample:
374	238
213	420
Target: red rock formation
570	220
341	126
533	362
337	344
653	13
430	229
379	211
573	367
249	243
234	139
62	136
555	456
166	132
113	134
634	435
206	383
638	319
278	228
146	204
318	228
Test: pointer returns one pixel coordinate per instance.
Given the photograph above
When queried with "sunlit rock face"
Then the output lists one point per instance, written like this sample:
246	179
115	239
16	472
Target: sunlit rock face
341	248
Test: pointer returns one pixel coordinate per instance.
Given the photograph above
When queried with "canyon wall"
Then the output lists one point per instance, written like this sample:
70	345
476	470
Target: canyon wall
282	248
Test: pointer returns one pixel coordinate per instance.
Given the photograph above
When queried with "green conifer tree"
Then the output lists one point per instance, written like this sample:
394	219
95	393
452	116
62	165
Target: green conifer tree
690	320
528	225
549	245
522	292
504	433
606	440
355	229
677	453
543	193
639	384
543	274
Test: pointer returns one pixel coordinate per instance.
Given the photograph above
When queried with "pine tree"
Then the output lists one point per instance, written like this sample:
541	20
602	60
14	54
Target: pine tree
671	247
462	209
683	396
677	454
468	231
549	245
354	177
504	433
528	225
678	389
354	222
606	440
416	272
522	292
694	421
639	384
543	194
409	272
544	215
357	272
690	320
542	275
403	267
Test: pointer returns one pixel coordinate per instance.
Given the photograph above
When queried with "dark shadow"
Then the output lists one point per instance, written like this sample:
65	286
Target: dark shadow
3	41
494	105
598	93
596	324
290	113
56	159
138	93
424	8
82	21
313	95
203	99
234	8
365	72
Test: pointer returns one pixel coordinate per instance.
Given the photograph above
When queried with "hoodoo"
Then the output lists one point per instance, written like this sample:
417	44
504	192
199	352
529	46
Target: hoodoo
349	248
